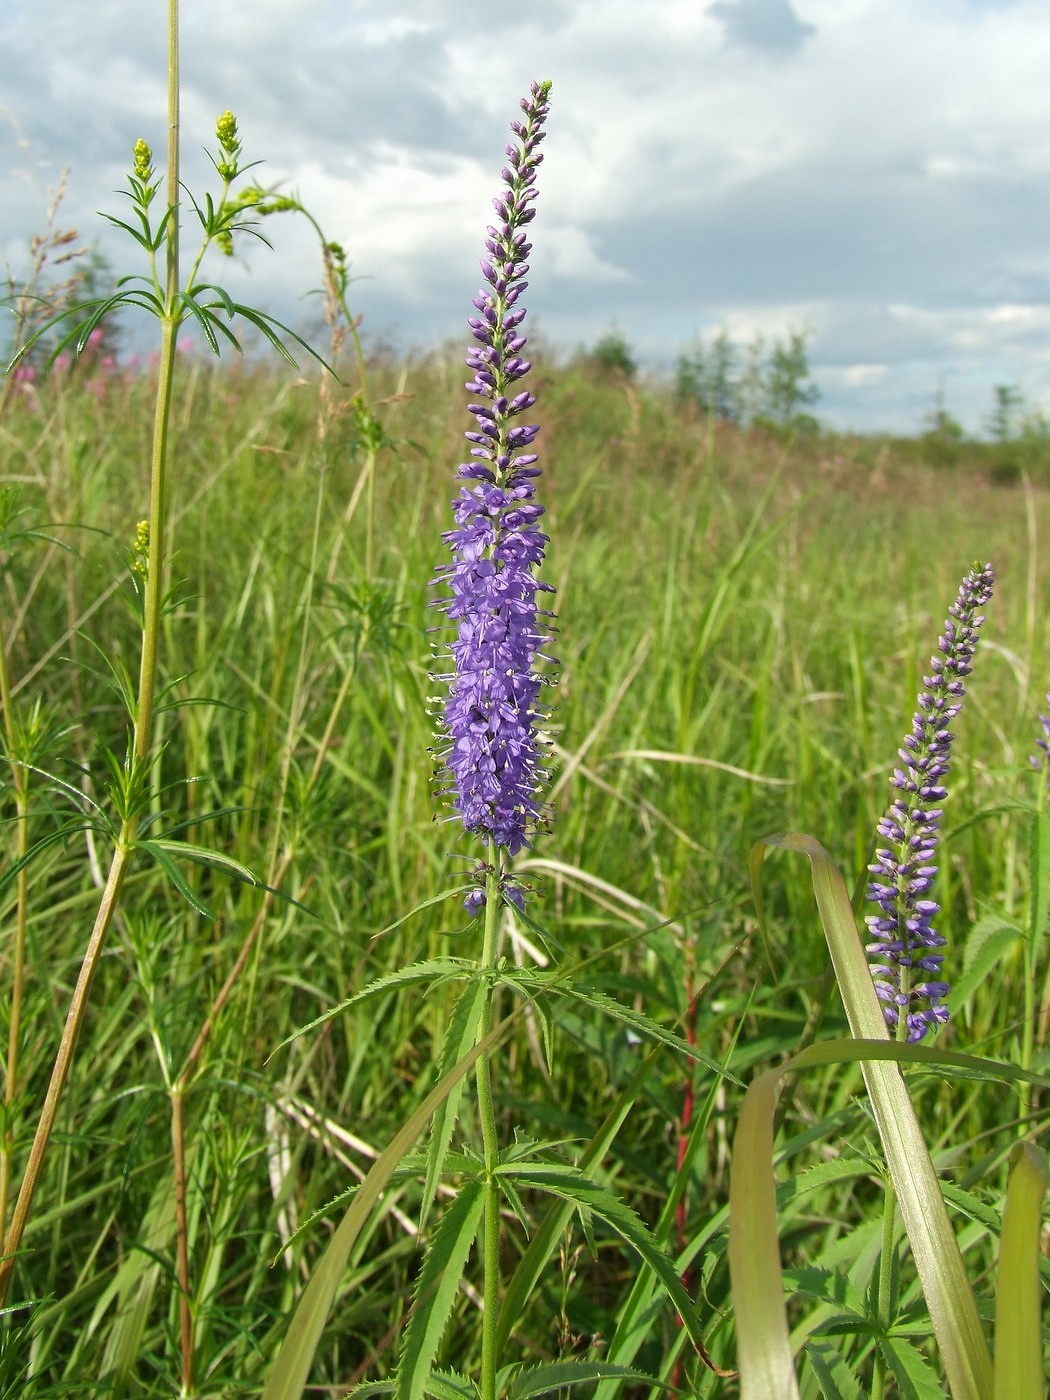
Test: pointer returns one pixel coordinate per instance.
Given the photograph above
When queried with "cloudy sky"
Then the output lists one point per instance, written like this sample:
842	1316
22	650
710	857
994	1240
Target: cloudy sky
876	172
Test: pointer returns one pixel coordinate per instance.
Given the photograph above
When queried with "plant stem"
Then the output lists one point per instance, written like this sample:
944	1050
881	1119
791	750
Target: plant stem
63	1061
143	718
20	784
487	1115
182	1261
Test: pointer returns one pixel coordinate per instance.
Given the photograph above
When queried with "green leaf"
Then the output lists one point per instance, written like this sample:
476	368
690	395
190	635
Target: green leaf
572	1185
1039	860
437	1288
463	1027
912	1372
175	875
205	855
552	1376
1018	1292
835	1378
827	1286
606	1005
987	942
291	1367
433	970
450	1385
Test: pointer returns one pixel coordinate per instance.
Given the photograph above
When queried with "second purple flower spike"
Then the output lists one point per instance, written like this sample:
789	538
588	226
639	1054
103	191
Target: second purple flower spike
905	952
490	746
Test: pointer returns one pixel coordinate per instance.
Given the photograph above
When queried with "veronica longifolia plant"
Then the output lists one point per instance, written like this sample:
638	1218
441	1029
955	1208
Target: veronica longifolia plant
905	951
491	746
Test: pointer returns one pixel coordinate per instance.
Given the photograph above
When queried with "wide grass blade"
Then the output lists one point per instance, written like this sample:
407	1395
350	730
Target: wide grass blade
1018	1295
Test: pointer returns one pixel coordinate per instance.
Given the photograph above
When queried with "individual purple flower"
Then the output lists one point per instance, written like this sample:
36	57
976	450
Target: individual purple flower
489	746
905	952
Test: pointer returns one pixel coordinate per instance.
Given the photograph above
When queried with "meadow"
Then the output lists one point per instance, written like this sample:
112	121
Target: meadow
743	624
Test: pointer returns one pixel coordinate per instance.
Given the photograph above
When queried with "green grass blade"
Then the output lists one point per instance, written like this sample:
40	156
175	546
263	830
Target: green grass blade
1018	1294
764	1357
437	1289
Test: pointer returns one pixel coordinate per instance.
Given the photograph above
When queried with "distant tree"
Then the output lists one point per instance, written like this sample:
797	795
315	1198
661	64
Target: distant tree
940	423
612	356
1004	421
751	381
705	375
787	389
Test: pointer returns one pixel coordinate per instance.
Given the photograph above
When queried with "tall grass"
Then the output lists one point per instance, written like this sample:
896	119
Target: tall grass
743	626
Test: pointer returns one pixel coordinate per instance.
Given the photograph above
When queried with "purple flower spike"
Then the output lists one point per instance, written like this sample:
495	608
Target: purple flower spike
489	746
1043	763
905	952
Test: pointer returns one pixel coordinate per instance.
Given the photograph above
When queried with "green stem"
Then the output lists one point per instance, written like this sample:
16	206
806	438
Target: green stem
143	719
20	784
63	1061
487	1115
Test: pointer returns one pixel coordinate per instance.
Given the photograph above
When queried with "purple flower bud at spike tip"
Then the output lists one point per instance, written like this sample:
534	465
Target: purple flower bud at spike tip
903	937
489	743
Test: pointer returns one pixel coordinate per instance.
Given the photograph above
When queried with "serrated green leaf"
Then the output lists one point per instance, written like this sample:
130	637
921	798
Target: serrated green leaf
450	1385
827	1286
433	970
637	1020
463	1027
437	1288
988	941
835	1378
586	1195
1018	1292
915	1378
552	1376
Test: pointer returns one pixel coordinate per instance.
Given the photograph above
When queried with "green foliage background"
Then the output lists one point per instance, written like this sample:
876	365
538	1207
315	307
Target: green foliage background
744	620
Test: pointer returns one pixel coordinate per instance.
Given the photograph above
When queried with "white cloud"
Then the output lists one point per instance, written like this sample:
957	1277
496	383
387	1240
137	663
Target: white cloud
878	172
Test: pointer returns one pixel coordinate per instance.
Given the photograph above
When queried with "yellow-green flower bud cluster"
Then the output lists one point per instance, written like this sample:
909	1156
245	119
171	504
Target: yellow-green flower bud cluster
143	168
229	142
140	562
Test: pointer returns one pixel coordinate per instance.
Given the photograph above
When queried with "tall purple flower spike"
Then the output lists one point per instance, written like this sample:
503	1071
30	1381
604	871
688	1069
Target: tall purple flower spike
1044	744
905	951
489	746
